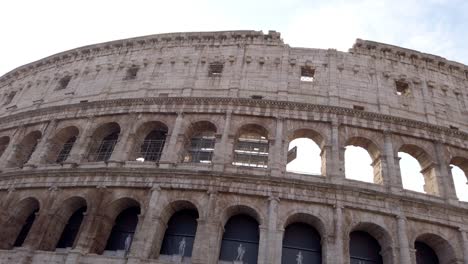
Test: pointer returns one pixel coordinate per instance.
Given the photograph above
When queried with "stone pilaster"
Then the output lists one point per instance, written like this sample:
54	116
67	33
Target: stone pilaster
169	155
403	240
335	167
337	255
277	161
464	243
274	236
391	164
443	175
221	151
122	148
8	155
38	156
80	148
144	238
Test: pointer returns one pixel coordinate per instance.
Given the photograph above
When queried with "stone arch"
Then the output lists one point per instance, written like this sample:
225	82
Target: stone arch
199	143
25	149
109	215
103	141
59	147
307	218
317	139
374	152
233	218
17	219
460	180
444	250
167	214
4	142
427	166
380	234
59	220
149	141
251	148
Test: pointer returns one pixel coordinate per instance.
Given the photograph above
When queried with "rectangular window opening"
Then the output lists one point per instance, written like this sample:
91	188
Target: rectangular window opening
402	88
257	97
215	69
63	83
358	107
307	74
132	73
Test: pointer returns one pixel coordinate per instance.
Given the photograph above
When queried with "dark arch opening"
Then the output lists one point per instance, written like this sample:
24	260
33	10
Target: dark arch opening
301	241
240	239
124	229
180	233
65	151
25	229
364	249
70	232
425	254
152	146
4	141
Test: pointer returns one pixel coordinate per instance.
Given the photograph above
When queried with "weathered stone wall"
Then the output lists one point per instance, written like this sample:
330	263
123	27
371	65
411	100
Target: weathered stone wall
172	87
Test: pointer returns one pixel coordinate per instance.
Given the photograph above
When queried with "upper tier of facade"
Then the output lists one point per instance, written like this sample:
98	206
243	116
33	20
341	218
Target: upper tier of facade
373	77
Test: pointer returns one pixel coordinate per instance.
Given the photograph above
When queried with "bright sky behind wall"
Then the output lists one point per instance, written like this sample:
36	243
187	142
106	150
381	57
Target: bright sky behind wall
31	29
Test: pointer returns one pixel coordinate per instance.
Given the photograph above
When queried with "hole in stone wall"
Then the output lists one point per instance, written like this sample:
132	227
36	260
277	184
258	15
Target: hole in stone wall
358	107
402	88
9	97
307	74
132	73
63	82
215	69
257	97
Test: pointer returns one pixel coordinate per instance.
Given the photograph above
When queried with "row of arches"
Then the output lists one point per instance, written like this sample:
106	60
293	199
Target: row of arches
363	159
302	242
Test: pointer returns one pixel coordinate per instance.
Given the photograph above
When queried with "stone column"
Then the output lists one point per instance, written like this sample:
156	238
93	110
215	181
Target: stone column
335	166
169	155
10	151
80	148
42	221
276	161
209	234
391	164
221	151
403	240
143	242
444	175
464	243
122	148
337	255
275	236
38	156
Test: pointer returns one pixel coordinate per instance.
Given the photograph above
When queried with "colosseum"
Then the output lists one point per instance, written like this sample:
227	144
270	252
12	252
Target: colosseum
174	148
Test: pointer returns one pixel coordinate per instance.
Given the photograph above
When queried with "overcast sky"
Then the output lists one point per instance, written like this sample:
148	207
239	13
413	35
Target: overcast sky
32	29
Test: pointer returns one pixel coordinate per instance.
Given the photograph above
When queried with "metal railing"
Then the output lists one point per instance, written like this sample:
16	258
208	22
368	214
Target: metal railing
150	150
103	151
64	152
251	153
201	150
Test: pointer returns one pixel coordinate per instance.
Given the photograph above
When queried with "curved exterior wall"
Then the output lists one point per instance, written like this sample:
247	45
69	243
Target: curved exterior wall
352	101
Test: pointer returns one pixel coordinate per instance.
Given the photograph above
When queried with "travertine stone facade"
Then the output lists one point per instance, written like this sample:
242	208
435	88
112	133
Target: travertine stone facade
381	97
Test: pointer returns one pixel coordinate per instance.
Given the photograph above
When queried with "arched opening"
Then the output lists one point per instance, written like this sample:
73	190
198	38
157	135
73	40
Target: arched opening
25	149
251	147
305	154
362	161
417	170
459	169
123	230
240	240
70	232
425	254
200	142
60	146
433	249
180	233
364	248
154	136
21	222
103	142
301	244
4	141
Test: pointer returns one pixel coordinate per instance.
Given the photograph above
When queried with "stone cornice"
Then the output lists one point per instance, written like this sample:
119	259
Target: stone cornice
177	39
145	178
200	101
386	51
